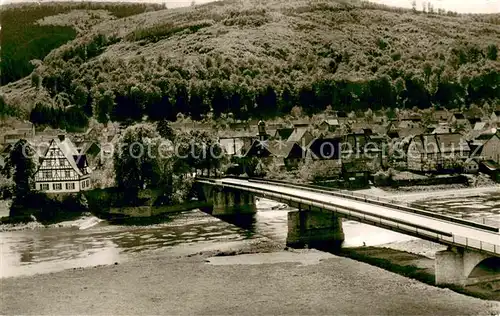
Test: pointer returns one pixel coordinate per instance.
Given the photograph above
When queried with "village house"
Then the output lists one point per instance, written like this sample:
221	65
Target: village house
356	173
19	130
301	136
423	153
404	128
471	166
440	128
487	146
283	133
62	168
473	120
363	146
441	115
437	152
329	125
495	117
324	149
235	146
458	120
88	148
490	168
286	155
453	150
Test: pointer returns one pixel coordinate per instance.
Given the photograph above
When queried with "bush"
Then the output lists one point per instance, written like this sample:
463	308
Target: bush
317	171
6	187
48	209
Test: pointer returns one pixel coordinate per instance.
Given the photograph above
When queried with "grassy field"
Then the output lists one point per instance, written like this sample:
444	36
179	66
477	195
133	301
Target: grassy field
259	59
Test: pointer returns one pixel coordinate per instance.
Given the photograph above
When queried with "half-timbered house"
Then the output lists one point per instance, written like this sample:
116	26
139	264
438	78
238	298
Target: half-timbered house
62	168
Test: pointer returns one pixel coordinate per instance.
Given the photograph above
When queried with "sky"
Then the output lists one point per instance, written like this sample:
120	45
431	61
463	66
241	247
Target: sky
461	6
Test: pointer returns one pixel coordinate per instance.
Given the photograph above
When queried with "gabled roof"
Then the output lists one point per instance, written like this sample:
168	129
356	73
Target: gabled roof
491	165
479	126
274	148
487	135
459	116
405	132
81	161
281	149
425	143
69	151
325	148
297	134
283	133
452	142
300	123
23	125
332	122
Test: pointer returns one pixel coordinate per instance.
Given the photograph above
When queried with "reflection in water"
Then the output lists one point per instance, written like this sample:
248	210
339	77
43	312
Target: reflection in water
48	250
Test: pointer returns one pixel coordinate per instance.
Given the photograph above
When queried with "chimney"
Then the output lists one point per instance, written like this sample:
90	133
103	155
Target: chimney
61	137
262	131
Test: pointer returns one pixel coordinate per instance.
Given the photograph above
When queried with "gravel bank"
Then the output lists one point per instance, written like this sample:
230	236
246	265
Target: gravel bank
169	283
429	192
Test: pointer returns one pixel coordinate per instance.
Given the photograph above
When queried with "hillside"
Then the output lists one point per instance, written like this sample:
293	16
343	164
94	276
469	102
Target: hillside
259	59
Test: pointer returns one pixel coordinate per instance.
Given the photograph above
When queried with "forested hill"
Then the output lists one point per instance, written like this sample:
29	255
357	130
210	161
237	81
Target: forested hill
259	59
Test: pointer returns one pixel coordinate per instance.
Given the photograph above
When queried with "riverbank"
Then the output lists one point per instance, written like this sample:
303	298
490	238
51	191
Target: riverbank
83	222
180	281
415	266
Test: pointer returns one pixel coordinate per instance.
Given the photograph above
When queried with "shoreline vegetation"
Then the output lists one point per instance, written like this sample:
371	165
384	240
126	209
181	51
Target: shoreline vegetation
152	214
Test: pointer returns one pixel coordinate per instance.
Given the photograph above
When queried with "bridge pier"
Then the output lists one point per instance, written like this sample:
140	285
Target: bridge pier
227	201
314	228
455	265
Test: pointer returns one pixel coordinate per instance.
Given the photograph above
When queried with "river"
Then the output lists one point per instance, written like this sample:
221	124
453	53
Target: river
30	252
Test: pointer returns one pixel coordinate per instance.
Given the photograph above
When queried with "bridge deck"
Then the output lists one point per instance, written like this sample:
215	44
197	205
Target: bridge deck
462	234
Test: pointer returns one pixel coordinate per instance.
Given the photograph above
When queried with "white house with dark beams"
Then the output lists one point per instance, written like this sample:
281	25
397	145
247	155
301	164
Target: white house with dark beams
62	168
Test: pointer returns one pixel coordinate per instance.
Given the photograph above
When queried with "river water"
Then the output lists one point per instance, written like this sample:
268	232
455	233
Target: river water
54	249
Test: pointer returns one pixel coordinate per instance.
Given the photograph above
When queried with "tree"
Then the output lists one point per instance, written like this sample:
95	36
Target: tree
104	104
492	52
414	6
36	80
135	160
80	95
21	161
165	129
296	112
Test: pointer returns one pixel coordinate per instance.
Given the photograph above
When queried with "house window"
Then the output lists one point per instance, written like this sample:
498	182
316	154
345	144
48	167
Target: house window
83	184
48	163
44	186
47	175
57	186
67	174
62	162
70	186
88	183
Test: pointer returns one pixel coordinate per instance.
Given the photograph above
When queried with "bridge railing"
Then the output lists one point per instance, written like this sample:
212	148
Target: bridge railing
377	220
406	207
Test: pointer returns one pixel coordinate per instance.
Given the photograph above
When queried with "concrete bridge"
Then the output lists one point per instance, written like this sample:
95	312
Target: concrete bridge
472	257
